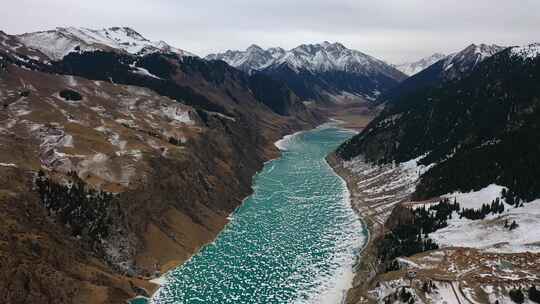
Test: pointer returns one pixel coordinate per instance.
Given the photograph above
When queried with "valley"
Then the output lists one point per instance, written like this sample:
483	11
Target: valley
293	240
134	171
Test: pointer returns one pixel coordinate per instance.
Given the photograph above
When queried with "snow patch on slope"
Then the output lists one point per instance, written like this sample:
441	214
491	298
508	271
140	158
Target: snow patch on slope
177	114
475	199
490	233
458	63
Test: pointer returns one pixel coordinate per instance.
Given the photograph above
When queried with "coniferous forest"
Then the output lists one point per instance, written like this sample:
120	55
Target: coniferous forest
85	211
479	130
410	238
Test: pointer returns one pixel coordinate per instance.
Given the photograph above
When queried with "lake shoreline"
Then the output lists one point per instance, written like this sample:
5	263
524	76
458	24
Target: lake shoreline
331	161
365	261
344	273
161	280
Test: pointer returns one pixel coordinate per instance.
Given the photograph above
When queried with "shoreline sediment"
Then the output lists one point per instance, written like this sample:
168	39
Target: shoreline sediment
366	257
376	192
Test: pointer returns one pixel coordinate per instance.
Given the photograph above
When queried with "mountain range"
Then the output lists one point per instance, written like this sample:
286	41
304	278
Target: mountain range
318	71
450	68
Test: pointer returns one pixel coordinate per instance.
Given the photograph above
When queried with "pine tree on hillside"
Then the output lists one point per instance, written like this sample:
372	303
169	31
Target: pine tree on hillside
513	226
517	296
534	294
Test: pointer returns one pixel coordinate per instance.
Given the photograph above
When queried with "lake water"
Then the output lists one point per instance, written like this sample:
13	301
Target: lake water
292	241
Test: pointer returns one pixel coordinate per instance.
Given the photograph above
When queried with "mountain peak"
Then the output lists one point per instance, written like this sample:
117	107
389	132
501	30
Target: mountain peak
482	48
320	57
58	43
325	43
254	47
412	68
337	45
458	64
317	47
128	31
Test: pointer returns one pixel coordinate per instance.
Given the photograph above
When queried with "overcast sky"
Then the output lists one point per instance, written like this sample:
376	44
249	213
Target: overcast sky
393	30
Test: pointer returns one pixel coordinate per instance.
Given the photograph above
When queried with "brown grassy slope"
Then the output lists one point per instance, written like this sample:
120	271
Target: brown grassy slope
173	198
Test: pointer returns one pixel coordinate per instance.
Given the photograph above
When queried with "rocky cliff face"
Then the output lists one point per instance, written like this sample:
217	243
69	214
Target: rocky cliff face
143	156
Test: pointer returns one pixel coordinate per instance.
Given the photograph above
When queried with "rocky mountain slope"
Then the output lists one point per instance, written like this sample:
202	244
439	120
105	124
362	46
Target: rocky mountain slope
473	129
318	71
120	157
412	68
58	43
452	67
446	179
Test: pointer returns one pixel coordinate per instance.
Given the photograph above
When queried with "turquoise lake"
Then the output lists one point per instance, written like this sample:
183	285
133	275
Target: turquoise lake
293	241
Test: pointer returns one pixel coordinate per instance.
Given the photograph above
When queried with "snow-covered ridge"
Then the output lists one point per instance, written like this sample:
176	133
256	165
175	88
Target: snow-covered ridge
465	60
412	68
321	57
253	58
63	40
526	52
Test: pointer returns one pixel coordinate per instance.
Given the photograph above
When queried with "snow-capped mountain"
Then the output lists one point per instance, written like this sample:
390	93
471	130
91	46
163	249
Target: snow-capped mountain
321	57
61	41
453	67
314	71
411	68
328	57
254	58
460	63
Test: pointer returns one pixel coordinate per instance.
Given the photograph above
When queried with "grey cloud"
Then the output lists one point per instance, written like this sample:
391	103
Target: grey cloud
394	30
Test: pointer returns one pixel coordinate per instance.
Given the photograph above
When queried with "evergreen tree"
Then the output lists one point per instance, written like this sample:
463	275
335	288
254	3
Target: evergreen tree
534	294
85	210
514	225
517	296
